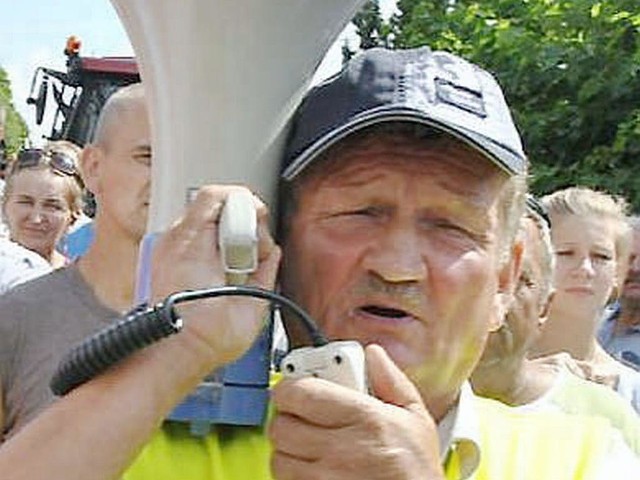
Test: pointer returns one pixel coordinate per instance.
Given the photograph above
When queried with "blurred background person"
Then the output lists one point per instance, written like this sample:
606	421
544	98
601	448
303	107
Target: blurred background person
42	199
591	237
504	373
620	332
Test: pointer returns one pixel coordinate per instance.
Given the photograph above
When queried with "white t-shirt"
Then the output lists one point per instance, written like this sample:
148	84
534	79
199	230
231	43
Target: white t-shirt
19	264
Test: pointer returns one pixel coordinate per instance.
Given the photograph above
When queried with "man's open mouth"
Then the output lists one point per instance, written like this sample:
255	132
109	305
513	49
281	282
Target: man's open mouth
384	311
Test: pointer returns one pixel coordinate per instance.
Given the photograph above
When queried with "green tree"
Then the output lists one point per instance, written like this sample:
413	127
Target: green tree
15	128
570	70
370	27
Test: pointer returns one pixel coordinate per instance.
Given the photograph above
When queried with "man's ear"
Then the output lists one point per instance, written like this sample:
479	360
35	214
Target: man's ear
90	160
507	282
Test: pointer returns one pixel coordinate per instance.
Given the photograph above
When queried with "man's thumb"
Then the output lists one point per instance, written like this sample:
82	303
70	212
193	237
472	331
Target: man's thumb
387	382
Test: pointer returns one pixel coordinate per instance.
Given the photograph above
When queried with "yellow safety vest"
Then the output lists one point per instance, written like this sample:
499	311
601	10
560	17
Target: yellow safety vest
534	446
228	453
513	446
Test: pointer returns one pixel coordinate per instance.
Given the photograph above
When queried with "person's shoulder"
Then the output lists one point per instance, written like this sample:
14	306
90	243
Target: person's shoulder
11	251
36	292
583	397
629	374
537	422
554	444
629	385
576	387
16	260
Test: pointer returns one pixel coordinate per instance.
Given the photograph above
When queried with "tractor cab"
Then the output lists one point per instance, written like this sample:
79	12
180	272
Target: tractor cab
79	93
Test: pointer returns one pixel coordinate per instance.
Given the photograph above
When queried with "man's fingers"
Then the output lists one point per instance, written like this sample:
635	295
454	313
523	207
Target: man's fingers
296	438
286	467
388	382
347	406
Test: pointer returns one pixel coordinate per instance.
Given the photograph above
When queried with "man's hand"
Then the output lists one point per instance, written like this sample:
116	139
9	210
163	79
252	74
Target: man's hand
326	431
601	373
187	257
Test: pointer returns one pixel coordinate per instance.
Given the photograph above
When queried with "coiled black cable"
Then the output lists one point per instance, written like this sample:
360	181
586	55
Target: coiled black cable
145	325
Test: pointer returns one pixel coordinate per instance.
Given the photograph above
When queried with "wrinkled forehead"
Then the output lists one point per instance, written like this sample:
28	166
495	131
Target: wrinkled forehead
455	165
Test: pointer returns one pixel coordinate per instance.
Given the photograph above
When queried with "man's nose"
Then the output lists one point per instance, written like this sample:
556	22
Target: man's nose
397	256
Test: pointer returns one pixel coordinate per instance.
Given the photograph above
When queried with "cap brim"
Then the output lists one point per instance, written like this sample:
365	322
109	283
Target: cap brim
504	158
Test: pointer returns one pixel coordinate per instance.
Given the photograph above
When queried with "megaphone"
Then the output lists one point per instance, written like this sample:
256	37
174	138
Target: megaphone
222	77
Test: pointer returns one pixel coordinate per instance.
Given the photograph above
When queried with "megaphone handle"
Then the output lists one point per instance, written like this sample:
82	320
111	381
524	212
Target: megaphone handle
238	237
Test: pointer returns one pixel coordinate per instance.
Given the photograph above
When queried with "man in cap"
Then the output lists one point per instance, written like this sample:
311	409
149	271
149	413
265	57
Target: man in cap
401	193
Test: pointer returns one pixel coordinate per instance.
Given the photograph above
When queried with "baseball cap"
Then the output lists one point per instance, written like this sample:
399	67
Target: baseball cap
433	88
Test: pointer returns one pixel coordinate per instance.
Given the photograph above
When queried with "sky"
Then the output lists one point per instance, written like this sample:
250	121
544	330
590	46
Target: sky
34	33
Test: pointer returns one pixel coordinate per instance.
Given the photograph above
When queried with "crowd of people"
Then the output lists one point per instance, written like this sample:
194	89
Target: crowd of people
501	331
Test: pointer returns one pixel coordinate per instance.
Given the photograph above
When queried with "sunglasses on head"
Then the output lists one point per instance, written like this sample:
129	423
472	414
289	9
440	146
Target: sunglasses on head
59	161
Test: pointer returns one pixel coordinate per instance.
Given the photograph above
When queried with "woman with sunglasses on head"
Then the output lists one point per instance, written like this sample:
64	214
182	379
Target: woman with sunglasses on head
591	238
43	198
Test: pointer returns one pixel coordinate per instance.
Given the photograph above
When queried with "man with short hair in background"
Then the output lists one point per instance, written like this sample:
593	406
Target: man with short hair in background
42	319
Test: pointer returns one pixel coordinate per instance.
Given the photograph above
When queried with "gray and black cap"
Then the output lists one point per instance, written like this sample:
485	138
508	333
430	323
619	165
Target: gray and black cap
432	88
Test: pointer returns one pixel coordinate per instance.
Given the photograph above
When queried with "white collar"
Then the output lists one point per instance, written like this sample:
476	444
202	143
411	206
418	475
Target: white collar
459	430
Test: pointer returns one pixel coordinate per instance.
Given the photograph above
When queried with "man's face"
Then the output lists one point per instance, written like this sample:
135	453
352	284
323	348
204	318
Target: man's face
630	296
124	173
525	316
397	244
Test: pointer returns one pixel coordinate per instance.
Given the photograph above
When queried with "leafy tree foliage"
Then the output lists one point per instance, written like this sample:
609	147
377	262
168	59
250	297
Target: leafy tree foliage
372	30
571	73
15	130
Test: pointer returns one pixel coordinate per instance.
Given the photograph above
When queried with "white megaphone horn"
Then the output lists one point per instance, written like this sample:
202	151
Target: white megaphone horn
222	77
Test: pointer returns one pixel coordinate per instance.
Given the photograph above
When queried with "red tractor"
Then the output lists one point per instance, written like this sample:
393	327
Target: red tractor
80	92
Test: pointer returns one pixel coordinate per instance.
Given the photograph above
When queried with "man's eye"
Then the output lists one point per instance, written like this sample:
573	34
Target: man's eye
143	158
447	226
363	212
564	253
